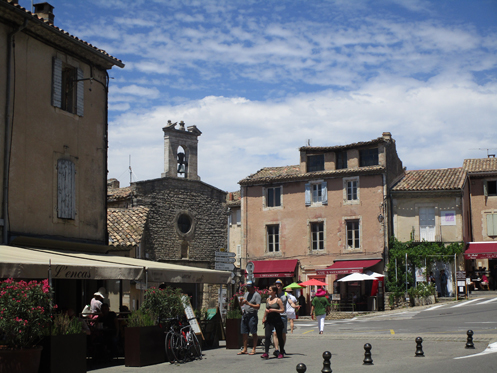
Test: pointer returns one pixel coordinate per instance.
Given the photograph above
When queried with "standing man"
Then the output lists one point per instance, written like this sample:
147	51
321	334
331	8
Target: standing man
251	302
284	299
443	283
493	274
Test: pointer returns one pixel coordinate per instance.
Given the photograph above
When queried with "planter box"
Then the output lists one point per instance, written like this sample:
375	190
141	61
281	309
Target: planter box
144	346
63	353
424	301
233	335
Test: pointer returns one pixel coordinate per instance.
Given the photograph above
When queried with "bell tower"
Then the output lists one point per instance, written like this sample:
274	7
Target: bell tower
180	151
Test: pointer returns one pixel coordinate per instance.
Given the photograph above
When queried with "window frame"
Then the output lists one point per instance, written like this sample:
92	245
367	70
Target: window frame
369	157
355	231
315	164
66	189
271	237
266	200
491	224
317	244
347	181
341	160
61	79
310	194
490	192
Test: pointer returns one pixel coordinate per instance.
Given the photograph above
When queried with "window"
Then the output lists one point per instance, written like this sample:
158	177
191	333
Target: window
238	251
368	157
68	87
490	188
236	217
491	224
66	189
273	238
273	197
315	163
341	160
184	223
352	190
316	193
353	234
427	224
317	236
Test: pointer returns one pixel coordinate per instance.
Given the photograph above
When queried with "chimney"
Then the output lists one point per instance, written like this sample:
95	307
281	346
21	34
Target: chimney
387	136
45	11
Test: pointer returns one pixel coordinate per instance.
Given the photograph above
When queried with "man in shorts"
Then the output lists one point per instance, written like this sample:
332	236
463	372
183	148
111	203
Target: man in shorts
251	302
284	299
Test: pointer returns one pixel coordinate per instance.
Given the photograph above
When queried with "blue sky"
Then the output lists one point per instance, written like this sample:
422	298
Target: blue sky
260	78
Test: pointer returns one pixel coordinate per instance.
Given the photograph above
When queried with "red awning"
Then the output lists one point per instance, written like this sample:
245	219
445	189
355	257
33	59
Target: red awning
481	250
348	266
274	268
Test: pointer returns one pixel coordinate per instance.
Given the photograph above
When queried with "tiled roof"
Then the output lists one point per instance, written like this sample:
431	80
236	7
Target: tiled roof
426	180
233	199
292	173
343	147
119	194
126	225
480	165
38	21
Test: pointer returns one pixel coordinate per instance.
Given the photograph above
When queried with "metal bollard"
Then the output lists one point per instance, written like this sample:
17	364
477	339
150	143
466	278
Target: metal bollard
301	368
419	347
469	343
326	362
367	355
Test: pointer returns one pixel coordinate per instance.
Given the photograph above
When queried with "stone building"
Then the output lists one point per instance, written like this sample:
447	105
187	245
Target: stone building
323	218
187	219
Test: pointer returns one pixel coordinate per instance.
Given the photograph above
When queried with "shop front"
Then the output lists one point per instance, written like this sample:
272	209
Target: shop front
266	272
481	260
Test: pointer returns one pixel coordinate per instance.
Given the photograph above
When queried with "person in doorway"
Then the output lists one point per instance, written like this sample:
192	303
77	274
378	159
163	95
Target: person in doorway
250	303
302	309
493	276
272	320
320	304
443	283
290	311
284	299
96	302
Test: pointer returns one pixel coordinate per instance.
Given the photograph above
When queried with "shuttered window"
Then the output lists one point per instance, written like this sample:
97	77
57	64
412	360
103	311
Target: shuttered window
67	87
316	193
491	224
66	189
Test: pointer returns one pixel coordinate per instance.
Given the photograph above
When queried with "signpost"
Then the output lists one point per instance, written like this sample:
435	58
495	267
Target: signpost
224	266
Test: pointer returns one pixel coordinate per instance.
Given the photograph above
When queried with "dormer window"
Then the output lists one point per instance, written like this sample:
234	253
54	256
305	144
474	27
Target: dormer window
341	160
368	157
315	163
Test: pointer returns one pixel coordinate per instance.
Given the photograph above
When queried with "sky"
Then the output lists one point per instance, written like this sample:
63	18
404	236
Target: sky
260	79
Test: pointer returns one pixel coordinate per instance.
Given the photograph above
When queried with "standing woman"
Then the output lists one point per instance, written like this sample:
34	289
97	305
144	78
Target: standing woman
318	310
272	320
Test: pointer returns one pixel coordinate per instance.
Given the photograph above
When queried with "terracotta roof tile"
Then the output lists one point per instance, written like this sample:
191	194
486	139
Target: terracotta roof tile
343	147
126	225
292	173
438	179
233	199
480	165
118	194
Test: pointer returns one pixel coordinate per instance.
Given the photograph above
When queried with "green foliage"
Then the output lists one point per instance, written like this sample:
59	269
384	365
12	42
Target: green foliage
163	303
140	318
418	253
422	290
234	314
63	324
24	312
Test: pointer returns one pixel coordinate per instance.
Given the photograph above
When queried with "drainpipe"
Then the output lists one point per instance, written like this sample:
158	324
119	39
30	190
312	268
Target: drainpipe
8	130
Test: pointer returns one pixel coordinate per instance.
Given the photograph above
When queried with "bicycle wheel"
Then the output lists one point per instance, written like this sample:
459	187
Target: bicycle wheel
169	348
195	347
179	347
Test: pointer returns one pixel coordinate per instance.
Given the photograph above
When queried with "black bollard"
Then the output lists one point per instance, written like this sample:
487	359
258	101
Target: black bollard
469	343
326	362
301	368
367	355
419	347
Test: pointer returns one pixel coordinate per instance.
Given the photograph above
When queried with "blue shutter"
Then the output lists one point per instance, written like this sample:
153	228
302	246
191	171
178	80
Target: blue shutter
66	189
80	94
308	194
57	82
324	191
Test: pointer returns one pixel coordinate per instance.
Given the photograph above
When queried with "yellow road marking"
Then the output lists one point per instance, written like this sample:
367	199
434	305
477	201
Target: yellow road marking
392	332
308	331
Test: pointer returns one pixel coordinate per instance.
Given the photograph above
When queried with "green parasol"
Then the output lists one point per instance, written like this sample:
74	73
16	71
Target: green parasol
294	285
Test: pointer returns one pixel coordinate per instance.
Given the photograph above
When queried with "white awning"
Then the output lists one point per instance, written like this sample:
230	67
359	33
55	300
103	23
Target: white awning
16	262
34	263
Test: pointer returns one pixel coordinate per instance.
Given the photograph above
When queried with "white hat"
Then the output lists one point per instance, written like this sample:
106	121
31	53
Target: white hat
99	294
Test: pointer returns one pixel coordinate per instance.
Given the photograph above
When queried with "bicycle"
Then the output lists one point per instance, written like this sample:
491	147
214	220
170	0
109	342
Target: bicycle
182	345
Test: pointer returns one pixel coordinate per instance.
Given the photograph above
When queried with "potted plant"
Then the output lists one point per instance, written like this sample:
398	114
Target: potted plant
233	320
64	348
143	336
24	318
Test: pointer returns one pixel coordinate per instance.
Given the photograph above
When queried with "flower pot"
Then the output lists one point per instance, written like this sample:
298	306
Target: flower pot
63	353
144	346
24	360
233	335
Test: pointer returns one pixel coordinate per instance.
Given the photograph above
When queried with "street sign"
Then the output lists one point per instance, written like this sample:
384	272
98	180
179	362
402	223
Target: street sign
224	266
225	260
221	254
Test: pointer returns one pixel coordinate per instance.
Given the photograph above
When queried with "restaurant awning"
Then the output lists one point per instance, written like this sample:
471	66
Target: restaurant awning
274	268
34	263
348	266
481	250
29	263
